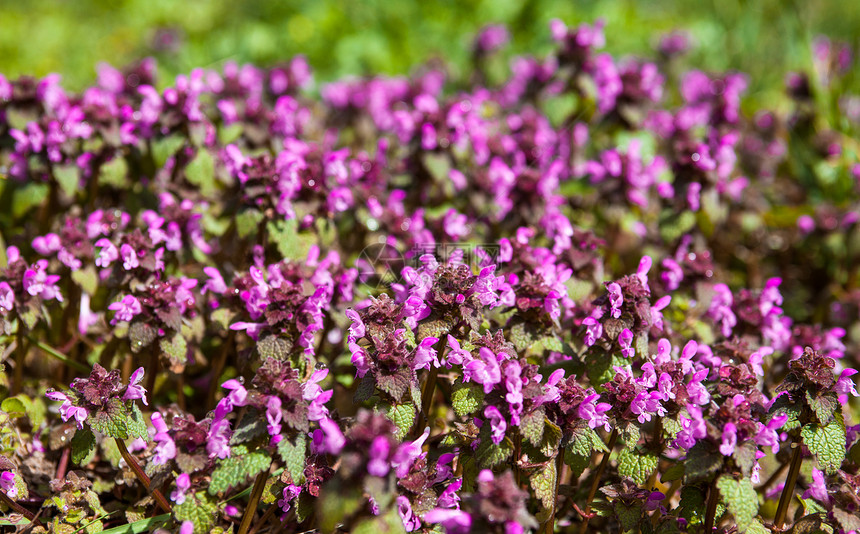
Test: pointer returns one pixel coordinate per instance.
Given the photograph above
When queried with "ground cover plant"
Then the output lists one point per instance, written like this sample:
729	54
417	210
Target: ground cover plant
593	296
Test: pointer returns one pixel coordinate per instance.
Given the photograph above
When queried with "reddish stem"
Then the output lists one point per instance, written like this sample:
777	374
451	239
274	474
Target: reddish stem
141	476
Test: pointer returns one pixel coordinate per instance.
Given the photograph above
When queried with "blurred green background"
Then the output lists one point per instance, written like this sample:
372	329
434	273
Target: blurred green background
339	37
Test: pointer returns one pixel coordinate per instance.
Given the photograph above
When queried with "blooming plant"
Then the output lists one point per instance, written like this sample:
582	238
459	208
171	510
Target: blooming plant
619	301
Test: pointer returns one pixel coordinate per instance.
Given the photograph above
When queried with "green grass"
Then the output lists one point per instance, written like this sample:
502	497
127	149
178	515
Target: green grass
343	37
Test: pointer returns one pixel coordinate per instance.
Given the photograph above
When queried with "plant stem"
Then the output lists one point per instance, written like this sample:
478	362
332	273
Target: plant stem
429	389
141	476
559	464
50	351
20	356
776	474
265	519
711	511
20	509
254	500
593	491
788	490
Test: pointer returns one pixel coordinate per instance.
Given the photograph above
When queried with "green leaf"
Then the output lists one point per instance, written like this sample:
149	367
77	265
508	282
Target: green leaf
827	443
111	420
365	389
291	243
741	500
68	178
532	425
136	423
636	465
551	439
87	279
467	398
201	172
692	504
335	504
114	173
403	416
488	454
584	441
628	516
543	484
576	462
247	222
674	472
523	336
198	508
27	197
703	460
238	469
175	348
83	443
140	335
304	506
387	523
823	405
275	347
293	452
17	406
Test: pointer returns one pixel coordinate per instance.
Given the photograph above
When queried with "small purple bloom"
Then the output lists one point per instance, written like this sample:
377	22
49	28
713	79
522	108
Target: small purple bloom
818	489
183	484
134	390
327	439
126	309
616	299
625	340
378	465
497	423
7	484
729	439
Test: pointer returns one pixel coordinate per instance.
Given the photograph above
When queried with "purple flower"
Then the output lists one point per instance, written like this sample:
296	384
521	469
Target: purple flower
593	330
407	453
7	484
729	439
453	521
129	257
187	527
767	435
845	385
818	489
37	282
457	355
218	439
7	298
616	299
134	390
594	412
67	409
491	38
411	521
497	423
484	371
378	465
356	329
126	309
692	429
425	354
449	497
327	439
625	340
165	447
274	415
183	484
290	493
514	385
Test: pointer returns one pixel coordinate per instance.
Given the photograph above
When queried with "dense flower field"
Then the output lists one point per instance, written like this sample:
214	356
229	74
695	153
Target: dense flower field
600	296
